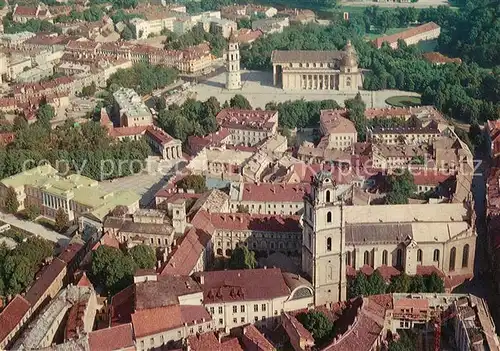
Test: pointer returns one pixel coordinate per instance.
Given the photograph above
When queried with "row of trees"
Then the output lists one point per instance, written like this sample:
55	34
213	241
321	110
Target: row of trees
403	283
142	77
20	264
114	269
91	14
195	36
32	25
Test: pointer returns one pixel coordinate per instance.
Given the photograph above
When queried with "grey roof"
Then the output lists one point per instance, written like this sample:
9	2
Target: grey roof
146	228
279	56
377	233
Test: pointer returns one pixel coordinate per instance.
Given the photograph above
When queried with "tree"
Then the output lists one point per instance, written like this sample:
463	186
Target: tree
317	324
127	33
356	112
32	212
11	202
144	256
400	284
376	284
434	283
89	90
240	102
242	258
61	220
401	186
359	286
417	284
194	182
111	268
45	114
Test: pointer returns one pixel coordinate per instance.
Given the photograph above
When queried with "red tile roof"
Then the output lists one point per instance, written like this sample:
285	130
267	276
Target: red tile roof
411	32
107	240
122	306
246	119
12	315
267	192
75	322
387	272
70	252
25	11
241	285
246	36
127	131
411	303
197	143
430	178
336	122
437	57
111	339
84	281
156	320
186	254
254	340
47	278
209	342
158	135
256	222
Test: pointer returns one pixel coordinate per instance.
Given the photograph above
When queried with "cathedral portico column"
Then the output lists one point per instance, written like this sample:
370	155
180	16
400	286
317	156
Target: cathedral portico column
274	75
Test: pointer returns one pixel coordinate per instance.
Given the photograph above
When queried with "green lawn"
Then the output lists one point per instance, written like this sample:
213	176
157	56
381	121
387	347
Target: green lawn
47	223
403	101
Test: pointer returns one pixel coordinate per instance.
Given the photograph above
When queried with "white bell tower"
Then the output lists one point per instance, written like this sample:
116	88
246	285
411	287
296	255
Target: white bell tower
233	79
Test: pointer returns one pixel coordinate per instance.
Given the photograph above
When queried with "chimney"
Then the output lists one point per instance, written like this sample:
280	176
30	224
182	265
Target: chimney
202	279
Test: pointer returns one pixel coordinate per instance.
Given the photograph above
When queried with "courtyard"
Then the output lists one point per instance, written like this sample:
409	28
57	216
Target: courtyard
257	87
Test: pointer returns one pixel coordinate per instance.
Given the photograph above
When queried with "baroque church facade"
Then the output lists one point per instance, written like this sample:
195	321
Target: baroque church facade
411	238
317	70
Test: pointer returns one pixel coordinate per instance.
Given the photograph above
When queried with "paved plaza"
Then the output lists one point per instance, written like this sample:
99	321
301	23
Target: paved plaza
258	89
147	183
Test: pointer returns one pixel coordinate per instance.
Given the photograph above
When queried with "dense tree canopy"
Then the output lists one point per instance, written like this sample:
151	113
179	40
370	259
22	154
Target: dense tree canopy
301	113
11	203
240	102
83	148
32	25
192	118
317	324
242	258
112	268
196	36
18	266
401	187
356	113
142	77
194	182
144	256
61	220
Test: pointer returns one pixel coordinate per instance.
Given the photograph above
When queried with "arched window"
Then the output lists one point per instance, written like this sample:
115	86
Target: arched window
366	258
465	256
453	254
435	258
419	255
328	196
329	244
228	252
219	252
348	259
384	257
399	258
328	217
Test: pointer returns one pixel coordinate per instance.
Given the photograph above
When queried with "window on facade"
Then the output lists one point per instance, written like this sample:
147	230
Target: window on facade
366	258
220	309
328	217
263	307
212	310
419	255
384	257
453	254
242	319
221	321
327	197
465	256
235	309
235	320
399	258
256	308
348	259
242	308
329	244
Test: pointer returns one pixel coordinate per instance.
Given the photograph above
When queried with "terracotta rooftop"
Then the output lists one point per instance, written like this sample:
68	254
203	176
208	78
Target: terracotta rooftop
70	252
336	122
254	340
266	192
111	339
246	119
186	255
430	178
26	11
158	135
155	320
122	306
422	304
47	278
107	240
241	285
12	315
256	222
209	342
406	34
84	281
437	57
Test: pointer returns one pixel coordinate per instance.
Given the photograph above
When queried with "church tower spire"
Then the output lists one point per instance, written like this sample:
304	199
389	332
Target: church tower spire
233	78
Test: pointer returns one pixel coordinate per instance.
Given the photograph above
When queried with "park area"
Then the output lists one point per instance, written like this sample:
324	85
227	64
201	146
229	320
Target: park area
404	101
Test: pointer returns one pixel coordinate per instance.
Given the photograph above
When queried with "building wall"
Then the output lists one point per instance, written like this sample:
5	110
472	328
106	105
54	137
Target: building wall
160	339
274	208
341	141
5	343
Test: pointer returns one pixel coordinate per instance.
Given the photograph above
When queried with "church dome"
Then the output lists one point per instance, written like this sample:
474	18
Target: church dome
350	57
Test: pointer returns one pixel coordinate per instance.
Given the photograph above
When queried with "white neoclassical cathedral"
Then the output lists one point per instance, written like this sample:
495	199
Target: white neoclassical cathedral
408	237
